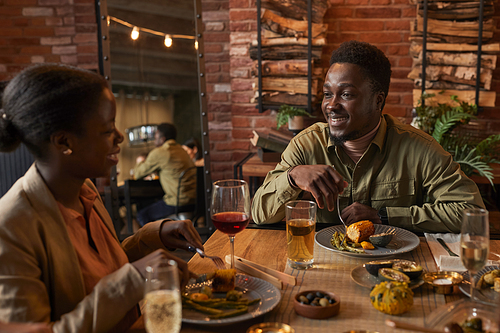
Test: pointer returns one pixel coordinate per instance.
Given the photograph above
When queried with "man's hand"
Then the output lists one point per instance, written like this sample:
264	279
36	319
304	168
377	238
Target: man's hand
358	212
180	235
321	181
154	258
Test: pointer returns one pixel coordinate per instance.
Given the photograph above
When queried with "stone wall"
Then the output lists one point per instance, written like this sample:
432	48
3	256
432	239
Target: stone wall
230	26
38	31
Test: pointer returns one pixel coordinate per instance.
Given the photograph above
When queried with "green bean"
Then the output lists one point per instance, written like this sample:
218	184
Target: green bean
233	313
204	309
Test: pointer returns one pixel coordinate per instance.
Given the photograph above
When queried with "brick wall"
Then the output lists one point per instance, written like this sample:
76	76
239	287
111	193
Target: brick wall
38	31
230	26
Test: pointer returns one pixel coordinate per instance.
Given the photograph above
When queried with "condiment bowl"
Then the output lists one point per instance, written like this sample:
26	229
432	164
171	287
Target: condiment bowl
316	311
443	282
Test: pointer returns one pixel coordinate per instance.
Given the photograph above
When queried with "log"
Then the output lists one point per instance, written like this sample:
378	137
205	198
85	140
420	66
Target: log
466	59
289	41
297	85
486	98
278	98
460	11
297	9
290	27
457	74
442	85
416	48
456	29
285	52
286	68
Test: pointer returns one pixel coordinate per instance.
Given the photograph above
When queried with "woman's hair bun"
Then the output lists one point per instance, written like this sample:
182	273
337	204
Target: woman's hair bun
10	138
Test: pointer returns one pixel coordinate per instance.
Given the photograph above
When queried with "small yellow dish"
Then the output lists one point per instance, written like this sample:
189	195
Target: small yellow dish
443	282
270	328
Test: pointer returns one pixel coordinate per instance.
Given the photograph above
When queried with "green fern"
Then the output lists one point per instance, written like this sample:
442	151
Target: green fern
440	121
448	122
471	162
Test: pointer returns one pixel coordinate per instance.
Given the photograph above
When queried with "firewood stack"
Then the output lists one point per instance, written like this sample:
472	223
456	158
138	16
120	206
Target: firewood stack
284	51
452	37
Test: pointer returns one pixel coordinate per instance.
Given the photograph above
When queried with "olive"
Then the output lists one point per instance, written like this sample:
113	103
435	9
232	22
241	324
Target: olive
315	303
331	301
310	297
323	302
327	297
320	294
303	299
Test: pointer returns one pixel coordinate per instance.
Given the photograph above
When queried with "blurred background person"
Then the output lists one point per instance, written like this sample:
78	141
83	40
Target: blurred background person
170	161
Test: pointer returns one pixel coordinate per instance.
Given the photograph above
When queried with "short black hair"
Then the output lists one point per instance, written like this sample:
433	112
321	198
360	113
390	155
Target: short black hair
372	61
167	131
191	143
44	99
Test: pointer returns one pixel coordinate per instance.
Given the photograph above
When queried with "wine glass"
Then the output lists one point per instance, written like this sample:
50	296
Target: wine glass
474	242
230	208
163	306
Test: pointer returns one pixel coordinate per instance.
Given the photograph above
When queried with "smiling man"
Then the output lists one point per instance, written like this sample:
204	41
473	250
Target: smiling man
382	170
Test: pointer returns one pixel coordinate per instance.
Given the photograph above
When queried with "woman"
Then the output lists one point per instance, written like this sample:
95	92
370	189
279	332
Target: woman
193	148
60	259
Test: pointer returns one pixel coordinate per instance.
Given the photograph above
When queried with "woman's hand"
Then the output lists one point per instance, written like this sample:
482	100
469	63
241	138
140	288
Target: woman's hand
25	328
180	235
155	257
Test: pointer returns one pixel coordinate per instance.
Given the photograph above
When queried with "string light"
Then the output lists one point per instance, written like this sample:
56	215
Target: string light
168	41
136	32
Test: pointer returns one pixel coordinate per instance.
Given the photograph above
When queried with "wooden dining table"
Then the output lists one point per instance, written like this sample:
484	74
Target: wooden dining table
268	248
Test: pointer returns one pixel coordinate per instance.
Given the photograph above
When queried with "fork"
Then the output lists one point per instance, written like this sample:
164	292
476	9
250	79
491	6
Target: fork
341	220
216	260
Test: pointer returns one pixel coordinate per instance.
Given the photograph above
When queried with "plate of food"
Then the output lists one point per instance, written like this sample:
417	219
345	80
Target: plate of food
465	314
488	290
385	240
228	298
374	272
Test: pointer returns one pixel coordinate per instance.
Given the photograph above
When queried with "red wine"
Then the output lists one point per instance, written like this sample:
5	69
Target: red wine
230	222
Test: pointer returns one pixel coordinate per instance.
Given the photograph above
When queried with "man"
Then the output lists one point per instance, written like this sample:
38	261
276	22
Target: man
383	170
170	161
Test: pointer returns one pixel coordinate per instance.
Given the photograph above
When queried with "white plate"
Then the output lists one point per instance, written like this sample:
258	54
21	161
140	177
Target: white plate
251	287
485	295
361	276
402	241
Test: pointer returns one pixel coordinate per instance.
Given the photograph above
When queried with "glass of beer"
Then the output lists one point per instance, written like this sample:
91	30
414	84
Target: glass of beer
163	306
300	228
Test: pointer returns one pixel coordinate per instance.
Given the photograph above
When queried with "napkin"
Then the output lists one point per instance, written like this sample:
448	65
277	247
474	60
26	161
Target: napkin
443	260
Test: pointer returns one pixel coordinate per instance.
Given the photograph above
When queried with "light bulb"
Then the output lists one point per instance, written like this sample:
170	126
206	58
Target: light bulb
135	33
196	45
168	41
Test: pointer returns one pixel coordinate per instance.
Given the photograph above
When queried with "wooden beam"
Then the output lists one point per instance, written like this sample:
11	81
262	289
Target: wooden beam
297	9
457	74
486	98
286	68
467	59
285	52
456	28
297	85
290	27
290	41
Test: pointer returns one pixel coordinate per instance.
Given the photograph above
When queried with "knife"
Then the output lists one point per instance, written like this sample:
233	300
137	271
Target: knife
443	244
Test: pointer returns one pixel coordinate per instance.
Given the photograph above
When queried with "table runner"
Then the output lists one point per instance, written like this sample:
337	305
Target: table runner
331	272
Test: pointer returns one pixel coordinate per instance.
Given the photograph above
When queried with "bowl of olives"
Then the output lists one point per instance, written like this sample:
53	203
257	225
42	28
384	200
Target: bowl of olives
316	304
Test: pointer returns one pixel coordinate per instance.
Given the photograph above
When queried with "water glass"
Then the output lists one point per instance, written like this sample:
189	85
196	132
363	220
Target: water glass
300	228
163	306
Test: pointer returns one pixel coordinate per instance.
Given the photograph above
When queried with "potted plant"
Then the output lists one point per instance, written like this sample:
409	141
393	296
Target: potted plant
291	115
442	121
